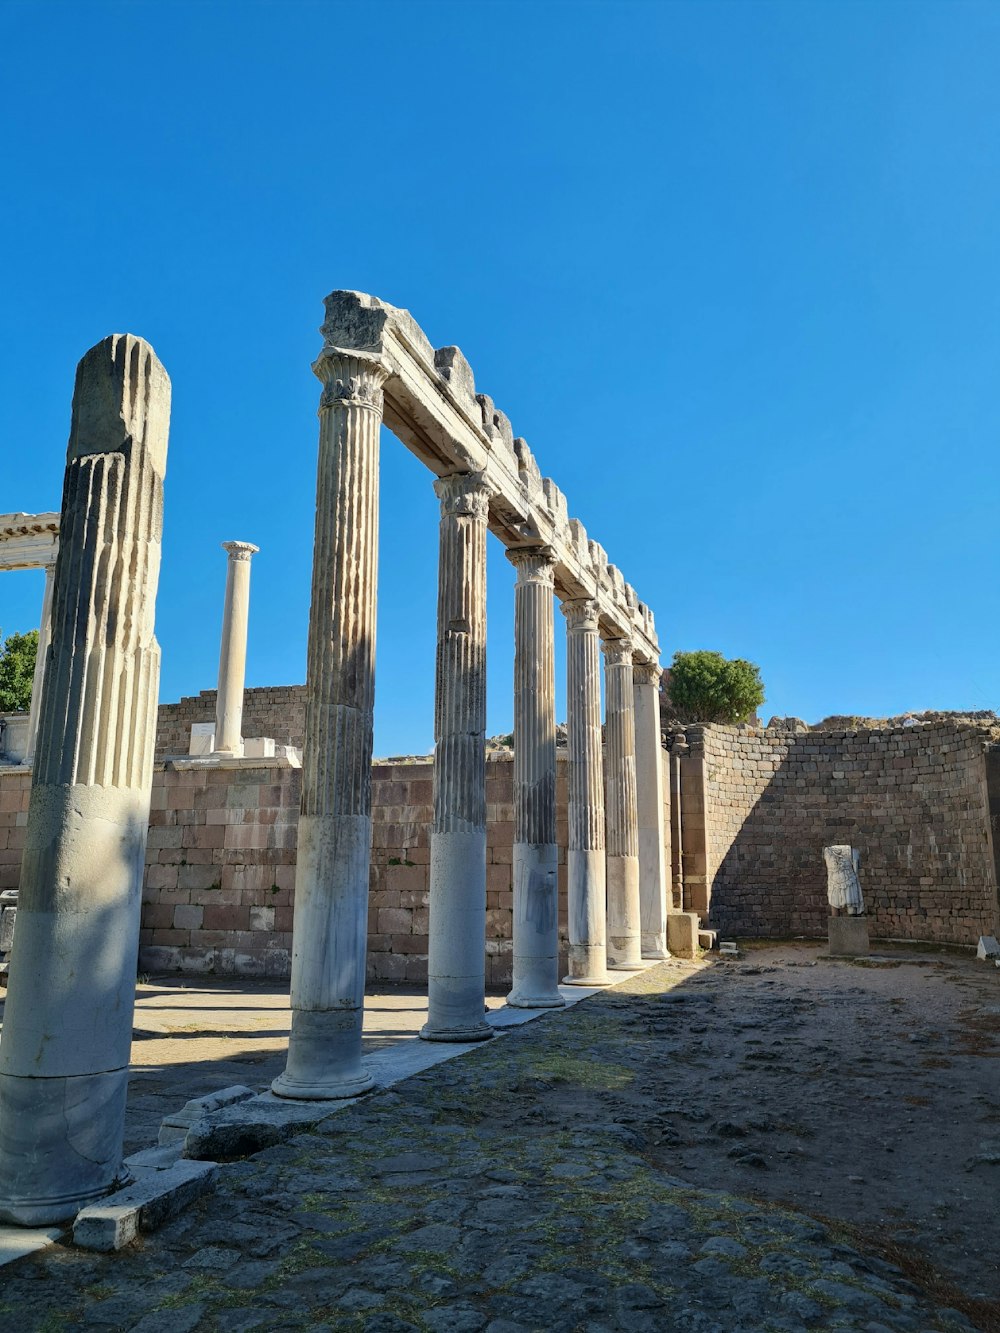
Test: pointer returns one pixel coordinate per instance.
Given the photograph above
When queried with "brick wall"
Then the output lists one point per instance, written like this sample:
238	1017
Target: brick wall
912	799
277	711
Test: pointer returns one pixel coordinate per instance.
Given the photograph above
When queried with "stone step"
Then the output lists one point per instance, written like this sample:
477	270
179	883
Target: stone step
707	938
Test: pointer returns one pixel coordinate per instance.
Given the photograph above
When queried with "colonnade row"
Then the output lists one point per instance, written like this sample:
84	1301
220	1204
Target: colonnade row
617	876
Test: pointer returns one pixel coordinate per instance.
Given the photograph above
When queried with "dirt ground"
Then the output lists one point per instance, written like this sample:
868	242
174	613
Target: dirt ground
867	1092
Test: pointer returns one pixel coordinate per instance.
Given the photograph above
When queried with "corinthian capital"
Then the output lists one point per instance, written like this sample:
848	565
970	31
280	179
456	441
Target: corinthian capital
354	379
465	494
581	613
240	550
617	652
646	673
534	564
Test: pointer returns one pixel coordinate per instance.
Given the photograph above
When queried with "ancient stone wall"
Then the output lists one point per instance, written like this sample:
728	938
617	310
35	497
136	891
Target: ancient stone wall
277	711
913	800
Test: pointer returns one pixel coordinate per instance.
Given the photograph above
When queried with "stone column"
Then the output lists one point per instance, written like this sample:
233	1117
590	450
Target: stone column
37	684
456	965
233	649
624	916
586	853
335	826
536	887
68	1026
653	868
677	751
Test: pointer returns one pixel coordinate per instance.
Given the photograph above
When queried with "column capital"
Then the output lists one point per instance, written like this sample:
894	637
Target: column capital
581	612
617	652
647	673
465	494
534	564
240	550
352	378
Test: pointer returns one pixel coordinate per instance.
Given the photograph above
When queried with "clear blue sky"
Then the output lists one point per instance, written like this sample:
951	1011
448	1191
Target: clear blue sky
731	268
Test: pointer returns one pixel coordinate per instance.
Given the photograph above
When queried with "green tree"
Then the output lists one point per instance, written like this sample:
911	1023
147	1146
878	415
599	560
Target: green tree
707	687
17	671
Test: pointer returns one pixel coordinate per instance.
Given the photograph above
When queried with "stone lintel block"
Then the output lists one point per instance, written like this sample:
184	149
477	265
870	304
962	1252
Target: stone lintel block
157	1195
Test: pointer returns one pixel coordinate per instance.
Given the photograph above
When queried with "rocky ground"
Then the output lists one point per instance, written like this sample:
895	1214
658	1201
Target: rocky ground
778	1143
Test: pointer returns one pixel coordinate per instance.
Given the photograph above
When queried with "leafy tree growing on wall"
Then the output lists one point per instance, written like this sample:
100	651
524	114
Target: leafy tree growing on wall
17	670
707	687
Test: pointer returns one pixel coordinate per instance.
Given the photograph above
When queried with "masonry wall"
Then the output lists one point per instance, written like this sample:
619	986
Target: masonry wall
913	800
277	711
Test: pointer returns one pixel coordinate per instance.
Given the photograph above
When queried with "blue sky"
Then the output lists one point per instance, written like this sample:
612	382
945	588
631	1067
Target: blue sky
730	268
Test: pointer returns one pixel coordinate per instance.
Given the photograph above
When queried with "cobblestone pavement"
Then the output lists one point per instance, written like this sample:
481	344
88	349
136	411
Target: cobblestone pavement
527	1186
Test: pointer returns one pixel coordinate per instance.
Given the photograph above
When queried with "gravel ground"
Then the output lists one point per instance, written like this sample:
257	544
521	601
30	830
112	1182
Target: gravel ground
780	1143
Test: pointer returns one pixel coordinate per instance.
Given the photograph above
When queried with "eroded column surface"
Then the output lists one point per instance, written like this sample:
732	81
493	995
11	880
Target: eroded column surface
536	888
334	839
586	851
456	965
68	1024
653	869
38	682
233	649
624	916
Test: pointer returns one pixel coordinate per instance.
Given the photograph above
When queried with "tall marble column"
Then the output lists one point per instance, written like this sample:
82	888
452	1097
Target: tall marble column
233	649
456	965
653	868
624	929
68	1026
586	852
335	826
536	885
38	681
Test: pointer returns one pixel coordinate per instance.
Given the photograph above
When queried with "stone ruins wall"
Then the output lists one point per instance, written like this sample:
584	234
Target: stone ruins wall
277	711
913	800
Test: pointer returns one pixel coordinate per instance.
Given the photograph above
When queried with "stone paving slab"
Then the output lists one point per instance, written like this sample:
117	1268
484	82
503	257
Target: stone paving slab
506	1191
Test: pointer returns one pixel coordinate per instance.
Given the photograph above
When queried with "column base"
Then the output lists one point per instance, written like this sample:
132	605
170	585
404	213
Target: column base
626	967
655	955
604	980
481	1032
519	1001
295	1091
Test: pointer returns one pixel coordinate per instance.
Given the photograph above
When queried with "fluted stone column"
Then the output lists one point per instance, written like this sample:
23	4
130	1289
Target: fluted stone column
586	852
335	827
536	887
456	965
68	1026
624	929
37	684
233	649
653	868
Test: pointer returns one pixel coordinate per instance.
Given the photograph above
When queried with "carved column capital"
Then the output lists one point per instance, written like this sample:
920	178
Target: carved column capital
646	673
581	613
240	550
534	564
617	652
350	378
464	494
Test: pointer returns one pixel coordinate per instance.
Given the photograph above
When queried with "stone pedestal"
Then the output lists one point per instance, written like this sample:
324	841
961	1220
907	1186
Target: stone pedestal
585	856
233	649
624	916
68	1025
653	868
849	937
536	890
335	830
456	965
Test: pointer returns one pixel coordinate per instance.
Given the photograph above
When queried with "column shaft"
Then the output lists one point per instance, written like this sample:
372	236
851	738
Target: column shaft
624	928
653	868
334	839
68	1025
456	967
37	684
536	886
233	649
586	878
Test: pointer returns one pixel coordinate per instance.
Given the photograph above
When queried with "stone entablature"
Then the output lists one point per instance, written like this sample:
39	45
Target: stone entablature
28	541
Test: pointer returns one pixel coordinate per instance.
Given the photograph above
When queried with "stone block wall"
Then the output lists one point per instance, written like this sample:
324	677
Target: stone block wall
15	788
277	711
912	799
